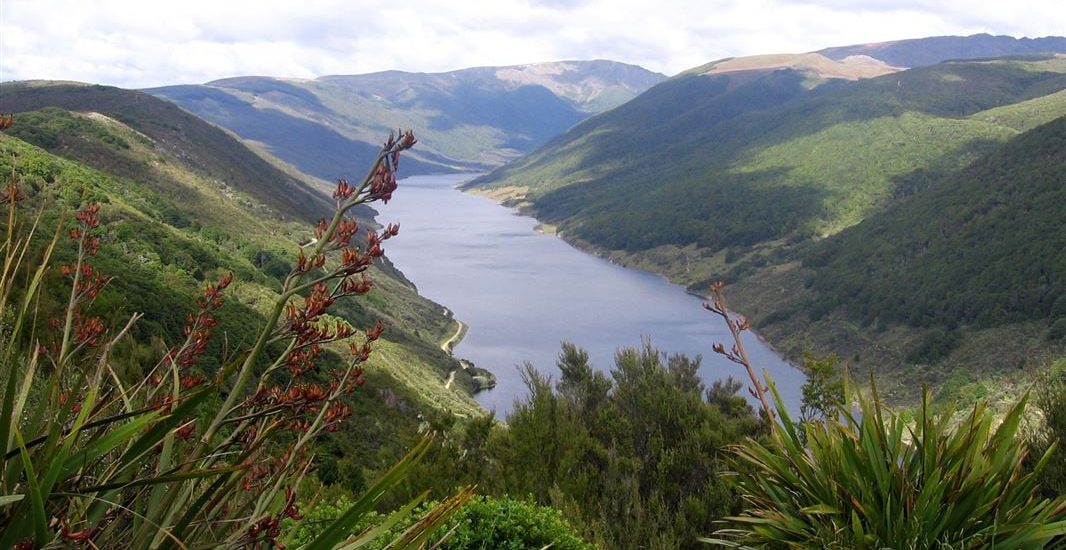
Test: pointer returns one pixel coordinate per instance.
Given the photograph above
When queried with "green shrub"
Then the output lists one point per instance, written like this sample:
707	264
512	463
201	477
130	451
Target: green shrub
874	480
484	522
510	524
634	458
1050	399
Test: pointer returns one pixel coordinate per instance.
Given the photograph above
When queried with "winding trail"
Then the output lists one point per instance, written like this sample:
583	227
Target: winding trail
447	345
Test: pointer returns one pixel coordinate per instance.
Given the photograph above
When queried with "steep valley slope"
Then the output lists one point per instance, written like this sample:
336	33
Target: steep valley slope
184	203
746	169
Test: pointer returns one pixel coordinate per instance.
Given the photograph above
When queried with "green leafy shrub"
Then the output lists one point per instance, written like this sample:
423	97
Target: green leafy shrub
871	478
484	522
1050	399
510	524
874	480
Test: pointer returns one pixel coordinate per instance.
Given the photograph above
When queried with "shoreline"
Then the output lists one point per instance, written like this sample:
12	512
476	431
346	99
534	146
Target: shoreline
460	331
482	378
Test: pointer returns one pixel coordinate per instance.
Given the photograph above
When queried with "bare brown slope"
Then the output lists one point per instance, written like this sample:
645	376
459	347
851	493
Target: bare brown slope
849	68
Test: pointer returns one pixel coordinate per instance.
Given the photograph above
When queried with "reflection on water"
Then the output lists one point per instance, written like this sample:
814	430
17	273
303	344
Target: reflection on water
522	293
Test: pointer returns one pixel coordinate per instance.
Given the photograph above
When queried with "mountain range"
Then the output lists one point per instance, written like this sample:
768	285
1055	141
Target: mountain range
899	205
467	120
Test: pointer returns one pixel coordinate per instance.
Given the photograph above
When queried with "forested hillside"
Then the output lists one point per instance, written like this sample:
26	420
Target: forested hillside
983	247
958	286
743	158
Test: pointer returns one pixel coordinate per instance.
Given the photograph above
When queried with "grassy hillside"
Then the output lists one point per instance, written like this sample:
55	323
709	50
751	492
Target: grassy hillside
199	146
471	119
738	159
743	175
162	245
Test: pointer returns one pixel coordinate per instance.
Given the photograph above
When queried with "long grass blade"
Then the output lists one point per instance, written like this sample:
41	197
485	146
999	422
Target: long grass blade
339	529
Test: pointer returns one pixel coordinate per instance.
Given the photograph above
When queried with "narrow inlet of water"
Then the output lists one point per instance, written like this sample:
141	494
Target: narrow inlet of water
523	293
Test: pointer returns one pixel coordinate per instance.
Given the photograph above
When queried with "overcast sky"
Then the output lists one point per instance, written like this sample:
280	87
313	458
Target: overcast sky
142	43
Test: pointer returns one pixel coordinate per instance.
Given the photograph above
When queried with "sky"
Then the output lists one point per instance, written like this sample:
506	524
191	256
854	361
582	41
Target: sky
144	43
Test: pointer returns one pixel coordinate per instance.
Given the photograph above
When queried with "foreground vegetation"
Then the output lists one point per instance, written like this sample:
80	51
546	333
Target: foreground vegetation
874	479
175	455
867	477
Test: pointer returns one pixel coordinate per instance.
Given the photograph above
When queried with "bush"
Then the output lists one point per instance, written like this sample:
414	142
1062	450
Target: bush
633	458
483	523
935	345
874	480
1050	392
509	524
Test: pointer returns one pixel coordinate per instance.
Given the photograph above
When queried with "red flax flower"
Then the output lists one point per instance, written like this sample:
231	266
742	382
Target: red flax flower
198	326
351	286
88	217
373	245
87	330
90	283
344	190
383	183
302	360
335	414
291	509
84	535
374	332
187	430
354	261
11	193
360	353
305	264
346	229
320	228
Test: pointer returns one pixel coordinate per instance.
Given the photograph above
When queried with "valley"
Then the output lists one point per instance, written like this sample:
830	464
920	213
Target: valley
811	299
771	175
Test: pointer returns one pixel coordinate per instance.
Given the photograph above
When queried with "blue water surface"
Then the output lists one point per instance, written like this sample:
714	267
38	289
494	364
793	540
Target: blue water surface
523	293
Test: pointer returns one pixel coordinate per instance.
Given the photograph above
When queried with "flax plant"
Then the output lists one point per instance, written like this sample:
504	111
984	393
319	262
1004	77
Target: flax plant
184	458
867	478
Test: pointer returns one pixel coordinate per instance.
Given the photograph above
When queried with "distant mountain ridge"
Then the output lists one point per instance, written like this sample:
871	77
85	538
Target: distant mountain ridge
852	67
470	119
589	86
921	52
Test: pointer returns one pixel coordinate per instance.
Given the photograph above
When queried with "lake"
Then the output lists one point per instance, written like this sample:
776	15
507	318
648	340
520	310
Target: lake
522	293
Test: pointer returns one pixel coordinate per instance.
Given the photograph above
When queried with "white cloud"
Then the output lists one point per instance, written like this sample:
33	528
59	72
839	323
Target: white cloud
140	44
